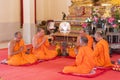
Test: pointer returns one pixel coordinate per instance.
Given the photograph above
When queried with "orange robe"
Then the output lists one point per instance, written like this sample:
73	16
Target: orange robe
44	52
84	62
21	58
90	41
101	54
71	51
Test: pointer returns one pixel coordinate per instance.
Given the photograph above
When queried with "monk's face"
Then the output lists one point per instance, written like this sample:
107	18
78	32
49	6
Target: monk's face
96	37
41	33
18	37
81	43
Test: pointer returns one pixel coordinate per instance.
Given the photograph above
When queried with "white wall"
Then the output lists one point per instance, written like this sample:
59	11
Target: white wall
9	18
52	9
40	9
10	14
59	6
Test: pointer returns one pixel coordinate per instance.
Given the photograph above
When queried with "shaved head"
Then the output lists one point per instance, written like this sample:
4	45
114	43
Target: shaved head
98	35
18	36
39	29
84	40
40	32
16	33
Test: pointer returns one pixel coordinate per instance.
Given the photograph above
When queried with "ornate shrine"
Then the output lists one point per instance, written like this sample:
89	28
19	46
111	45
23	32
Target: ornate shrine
82	9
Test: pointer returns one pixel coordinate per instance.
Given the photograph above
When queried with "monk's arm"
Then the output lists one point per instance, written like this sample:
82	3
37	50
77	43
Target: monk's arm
79	57
11	51
90	42
35	44
78	42
94	44
97	50
47	42
23	44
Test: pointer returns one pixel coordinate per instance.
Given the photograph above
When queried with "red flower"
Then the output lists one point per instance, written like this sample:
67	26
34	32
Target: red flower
84	25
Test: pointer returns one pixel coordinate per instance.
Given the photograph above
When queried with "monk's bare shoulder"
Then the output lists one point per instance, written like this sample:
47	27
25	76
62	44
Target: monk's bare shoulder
11	43
34	40
35	37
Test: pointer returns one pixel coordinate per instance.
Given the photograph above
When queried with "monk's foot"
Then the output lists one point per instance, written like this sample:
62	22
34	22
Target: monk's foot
4	61
95	68
93	71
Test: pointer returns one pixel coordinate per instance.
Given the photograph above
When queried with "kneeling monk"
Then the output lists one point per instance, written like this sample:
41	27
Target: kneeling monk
41	47
84	62
73	51
101	51
17	52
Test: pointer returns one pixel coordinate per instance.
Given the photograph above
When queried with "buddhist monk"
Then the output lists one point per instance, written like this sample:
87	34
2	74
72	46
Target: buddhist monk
73	51
18	53
101	51
84	62
41	46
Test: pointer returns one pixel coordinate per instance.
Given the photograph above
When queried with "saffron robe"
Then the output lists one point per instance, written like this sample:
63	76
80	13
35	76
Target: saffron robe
84	62
44	52
101	54
71	51
21	58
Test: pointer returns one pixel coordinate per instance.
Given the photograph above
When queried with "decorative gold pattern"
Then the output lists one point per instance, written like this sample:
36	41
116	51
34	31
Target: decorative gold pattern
115	2
80	9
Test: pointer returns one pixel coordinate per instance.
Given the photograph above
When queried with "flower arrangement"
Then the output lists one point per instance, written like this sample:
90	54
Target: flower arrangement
84	25
111	20
114	25
88	20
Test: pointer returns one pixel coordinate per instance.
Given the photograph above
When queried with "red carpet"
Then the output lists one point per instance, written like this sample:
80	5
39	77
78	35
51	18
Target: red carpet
48	70
99	71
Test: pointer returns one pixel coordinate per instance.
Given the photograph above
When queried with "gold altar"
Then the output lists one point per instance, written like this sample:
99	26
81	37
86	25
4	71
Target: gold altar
70	38
82	9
